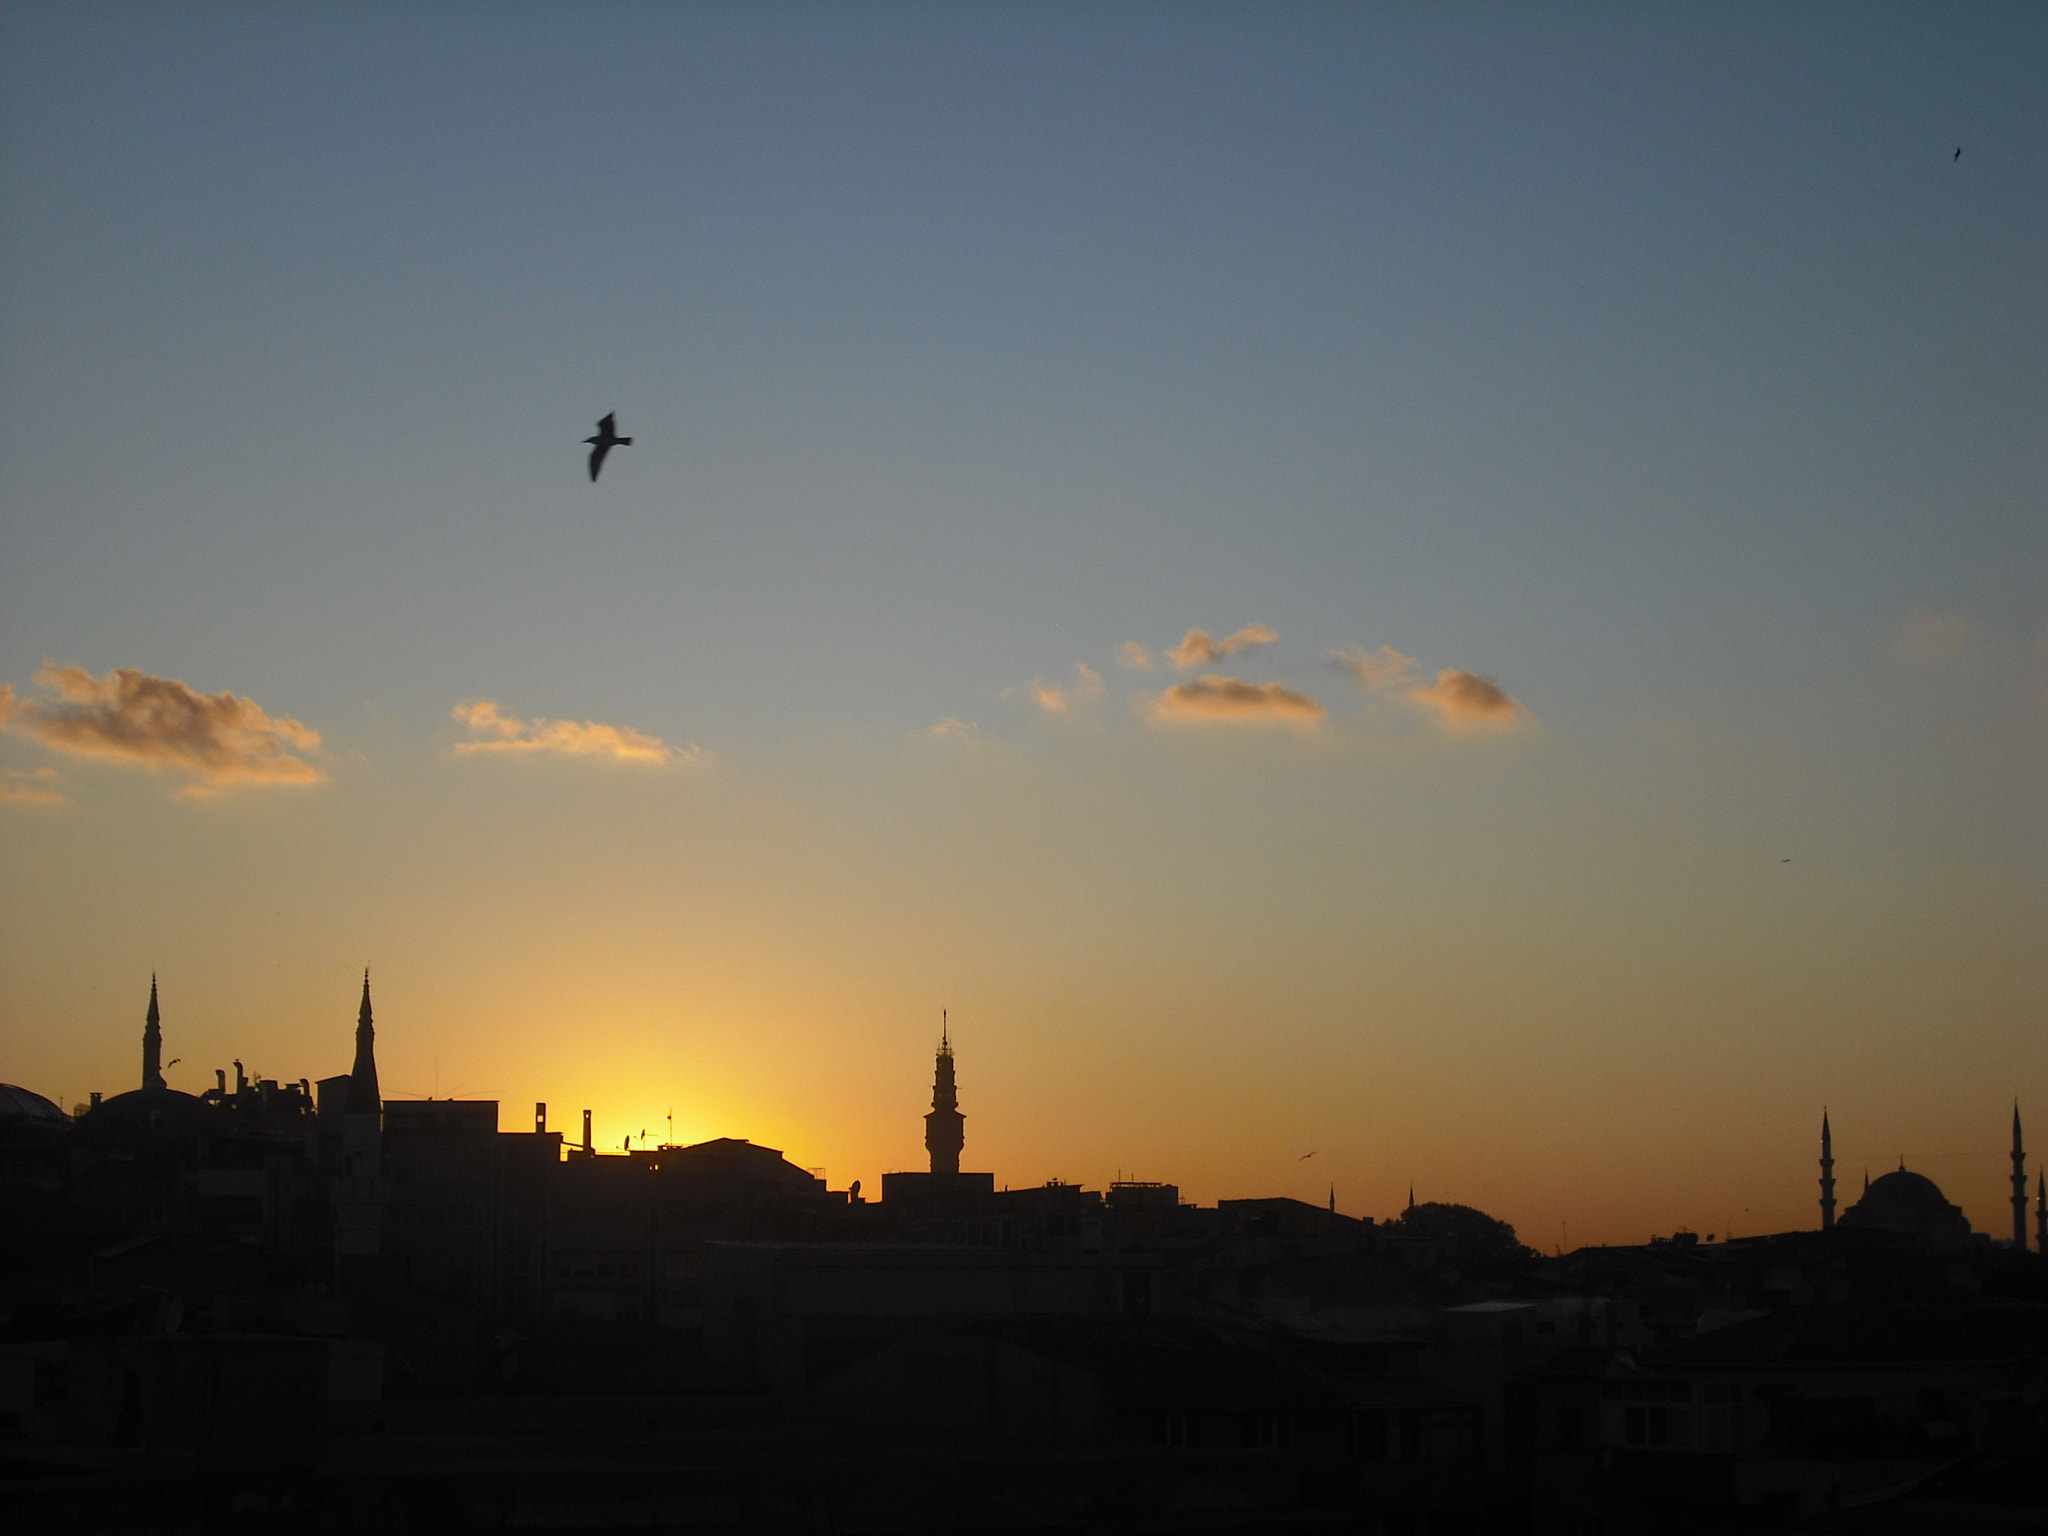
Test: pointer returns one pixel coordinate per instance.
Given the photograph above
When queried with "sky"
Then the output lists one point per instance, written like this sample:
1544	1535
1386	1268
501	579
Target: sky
1449	597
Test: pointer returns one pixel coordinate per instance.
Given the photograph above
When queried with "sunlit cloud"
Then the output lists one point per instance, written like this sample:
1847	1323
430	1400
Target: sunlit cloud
22	786
951	729
1233	701
493	730
1087	688
1934	635
1381	669
1465	700
1199	649
160	723
1134	656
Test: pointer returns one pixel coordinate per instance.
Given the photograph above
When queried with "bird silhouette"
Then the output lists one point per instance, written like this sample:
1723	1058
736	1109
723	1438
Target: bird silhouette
1307	1155
606	440
1957	155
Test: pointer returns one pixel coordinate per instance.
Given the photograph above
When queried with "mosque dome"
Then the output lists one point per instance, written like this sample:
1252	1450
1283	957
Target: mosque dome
158	1113
20	1109
1908	1203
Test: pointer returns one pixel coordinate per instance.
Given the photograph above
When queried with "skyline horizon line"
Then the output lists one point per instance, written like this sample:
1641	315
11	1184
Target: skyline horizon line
152	1042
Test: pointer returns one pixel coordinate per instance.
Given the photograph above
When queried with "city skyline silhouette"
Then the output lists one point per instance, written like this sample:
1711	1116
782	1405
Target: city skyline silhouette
1291	780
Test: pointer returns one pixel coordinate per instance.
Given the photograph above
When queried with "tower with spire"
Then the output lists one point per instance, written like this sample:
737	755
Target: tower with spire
358	1193
1827	1174
152	1043
945	1128
2019	1183
363	1097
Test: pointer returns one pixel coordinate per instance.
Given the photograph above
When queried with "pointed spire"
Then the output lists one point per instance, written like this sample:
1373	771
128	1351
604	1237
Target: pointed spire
1333	1198
152	1042
363	1096
1827	1173
2019	1183
1411	1197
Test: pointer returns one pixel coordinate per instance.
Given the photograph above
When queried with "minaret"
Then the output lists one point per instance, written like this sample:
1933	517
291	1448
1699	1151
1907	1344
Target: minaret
945	1127
363	1098
2041	1213
2019	1183
152	1043
1827	1174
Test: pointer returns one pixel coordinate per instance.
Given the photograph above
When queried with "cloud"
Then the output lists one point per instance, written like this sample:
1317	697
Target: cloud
1088	687
951	729
1383	668
1934	636
1232	700
496	731
1135	656
1463	700
1198	649
36	792
158	722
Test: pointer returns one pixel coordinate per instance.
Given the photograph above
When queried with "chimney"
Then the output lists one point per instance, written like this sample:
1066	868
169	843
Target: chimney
540	1119
586	1133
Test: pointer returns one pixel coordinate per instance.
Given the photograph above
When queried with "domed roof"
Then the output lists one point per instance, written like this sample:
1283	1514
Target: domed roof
20	1107
1907	1202
158	1112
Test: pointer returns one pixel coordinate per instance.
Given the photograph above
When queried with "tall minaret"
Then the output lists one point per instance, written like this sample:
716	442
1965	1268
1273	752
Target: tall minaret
945	1127
363	1098
2019	1183
1827	1174
152	1043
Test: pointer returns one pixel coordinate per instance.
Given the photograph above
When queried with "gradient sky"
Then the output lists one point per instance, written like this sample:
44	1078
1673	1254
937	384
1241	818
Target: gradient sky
1662	367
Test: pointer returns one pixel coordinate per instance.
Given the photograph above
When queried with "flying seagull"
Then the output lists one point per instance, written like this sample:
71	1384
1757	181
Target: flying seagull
1307	1155
606	440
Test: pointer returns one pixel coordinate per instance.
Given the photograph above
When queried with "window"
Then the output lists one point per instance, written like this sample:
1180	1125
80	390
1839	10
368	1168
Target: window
1450	1434
1369	1435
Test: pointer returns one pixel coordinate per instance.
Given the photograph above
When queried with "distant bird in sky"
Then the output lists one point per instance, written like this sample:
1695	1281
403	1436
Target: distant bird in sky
1307	1155
1784	861
606	440
1957	155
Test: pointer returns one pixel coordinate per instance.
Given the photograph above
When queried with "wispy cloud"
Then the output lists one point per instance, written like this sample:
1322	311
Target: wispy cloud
1465	700
492	730
1135	656
1380	669
24	786
1934	635
1233	701
1459	700
951	729
1086	689
1199	649
160	723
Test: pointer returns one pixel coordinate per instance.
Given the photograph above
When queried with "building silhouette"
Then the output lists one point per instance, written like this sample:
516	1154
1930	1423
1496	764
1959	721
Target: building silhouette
945	1128
303	1304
